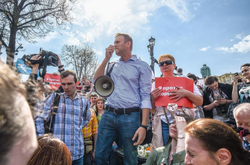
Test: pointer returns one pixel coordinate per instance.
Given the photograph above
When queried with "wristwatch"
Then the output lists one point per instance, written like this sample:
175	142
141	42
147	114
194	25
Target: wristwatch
181	136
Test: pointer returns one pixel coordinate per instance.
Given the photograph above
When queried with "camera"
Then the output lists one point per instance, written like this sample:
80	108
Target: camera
48	58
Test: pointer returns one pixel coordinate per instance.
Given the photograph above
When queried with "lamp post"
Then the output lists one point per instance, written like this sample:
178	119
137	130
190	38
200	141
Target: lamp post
151	51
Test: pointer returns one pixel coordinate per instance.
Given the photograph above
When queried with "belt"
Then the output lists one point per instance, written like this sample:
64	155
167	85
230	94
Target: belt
122	110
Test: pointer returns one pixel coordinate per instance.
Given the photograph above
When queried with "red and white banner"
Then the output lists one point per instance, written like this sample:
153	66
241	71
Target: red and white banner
169	84
53	80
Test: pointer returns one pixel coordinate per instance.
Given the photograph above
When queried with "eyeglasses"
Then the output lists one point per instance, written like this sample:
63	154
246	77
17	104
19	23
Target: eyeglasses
168	62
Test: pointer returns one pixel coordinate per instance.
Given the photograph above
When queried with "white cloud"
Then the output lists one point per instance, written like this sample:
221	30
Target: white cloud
180	9
239	36
48	38
98	52
95	18
204	49
241	47
196	6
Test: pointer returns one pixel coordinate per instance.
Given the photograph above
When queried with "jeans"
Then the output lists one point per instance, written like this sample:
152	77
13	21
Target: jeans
165	132
112	126
78	161
87	159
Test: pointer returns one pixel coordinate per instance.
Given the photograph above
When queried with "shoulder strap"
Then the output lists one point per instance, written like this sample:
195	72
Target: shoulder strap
109	72
164	110
54	111
85	111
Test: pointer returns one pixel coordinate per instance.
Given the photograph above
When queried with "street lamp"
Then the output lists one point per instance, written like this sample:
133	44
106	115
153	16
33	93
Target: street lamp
151	51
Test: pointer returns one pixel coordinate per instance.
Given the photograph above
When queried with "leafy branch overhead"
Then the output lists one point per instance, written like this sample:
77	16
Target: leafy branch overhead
29	19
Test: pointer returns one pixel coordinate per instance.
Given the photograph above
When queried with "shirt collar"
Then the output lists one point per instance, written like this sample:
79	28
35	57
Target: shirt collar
77	96
133	58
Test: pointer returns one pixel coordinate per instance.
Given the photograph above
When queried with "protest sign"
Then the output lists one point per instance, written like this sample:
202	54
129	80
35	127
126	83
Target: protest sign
22	68
167	84
53	80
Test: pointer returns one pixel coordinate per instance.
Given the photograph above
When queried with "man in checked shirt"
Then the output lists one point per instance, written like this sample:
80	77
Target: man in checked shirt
72	115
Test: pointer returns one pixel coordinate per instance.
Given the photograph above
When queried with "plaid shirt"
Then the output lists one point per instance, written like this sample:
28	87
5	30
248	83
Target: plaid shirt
69	121
92	127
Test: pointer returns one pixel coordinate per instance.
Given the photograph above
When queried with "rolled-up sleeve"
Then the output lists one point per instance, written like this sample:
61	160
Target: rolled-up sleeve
145	86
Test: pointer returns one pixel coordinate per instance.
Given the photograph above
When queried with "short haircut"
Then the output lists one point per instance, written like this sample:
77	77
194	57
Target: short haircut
192	76
127	38
244	107
66	73
12	120
210	80
247	64
51	150
168	56
179	70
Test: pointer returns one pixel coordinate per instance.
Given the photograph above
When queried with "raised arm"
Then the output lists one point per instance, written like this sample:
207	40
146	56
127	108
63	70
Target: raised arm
235	96
108	55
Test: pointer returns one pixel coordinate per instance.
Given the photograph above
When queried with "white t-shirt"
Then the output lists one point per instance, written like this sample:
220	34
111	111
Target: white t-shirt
170	117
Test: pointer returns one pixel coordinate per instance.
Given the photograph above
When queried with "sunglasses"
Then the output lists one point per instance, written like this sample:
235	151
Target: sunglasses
168	62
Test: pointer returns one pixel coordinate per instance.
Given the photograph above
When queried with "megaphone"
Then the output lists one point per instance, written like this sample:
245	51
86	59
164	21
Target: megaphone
104	86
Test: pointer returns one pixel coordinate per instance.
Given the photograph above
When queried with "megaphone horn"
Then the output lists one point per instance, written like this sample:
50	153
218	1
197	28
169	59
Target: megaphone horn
104	86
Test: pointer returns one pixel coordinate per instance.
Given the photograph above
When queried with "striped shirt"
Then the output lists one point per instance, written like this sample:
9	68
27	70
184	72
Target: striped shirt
69	121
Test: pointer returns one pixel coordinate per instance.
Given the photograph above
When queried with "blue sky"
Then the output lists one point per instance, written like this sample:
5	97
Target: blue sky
195	32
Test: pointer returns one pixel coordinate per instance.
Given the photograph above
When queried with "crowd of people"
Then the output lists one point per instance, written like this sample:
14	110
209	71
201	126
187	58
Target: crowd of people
76	125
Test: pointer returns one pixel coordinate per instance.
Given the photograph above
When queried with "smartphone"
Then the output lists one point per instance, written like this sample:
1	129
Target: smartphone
218	98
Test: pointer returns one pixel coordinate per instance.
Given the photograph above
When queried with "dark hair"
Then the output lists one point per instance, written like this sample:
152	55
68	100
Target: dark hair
193	77
12	119
247	64
214	135
127	38
52	151
210	80
66	73
179	70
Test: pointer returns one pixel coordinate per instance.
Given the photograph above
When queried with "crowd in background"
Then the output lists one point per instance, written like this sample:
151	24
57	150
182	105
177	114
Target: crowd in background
178	135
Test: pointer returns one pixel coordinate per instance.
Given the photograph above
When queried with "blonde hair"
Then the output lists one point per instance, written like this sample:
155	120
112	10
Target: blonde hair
168	56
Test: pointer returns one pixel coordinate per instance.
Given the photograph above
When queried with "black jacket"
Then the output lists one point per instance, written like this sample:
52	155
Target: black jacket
226	88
